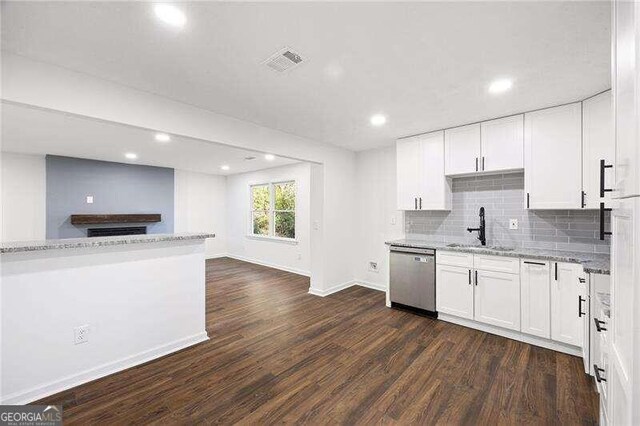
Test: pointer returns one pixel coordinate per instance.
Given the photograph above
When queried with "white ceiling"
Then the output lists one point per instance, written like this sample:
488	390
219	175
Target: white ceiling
426	65
34	131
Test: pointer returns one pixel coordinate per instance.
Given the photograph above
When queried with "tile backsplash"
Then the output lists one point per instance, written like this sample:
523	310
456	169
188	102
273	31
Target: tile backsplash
502	196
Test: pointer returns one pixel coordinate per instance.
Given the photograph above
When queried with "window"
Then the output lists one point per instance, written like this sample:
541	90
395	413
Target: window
273	209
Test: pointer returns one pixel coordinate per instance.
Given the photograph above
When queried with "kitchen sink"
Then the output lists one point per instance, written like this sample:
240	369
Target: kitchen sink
466	246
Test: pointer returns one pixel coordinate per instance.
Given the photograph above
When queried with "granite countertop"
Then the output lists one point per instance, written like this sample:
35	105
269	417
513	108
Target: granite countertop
74	243
594	263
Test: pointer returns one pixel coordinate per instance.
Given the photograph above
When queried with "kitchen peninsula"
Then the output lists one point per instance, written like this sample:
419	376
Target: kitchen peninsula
74	310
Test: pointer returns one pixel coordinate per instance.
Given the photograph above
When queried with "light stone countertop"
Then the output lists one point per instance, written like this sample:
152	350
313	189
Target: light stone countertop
74	243
594	263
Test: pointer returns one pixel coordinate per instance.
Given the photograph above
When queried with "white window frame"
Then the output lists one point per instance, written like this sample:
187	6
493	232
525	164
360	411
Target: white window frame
272	212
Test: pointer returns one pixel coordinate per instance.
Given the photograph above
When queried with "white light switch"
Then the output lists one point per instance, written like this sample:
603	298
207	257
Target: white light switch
513	223
89	199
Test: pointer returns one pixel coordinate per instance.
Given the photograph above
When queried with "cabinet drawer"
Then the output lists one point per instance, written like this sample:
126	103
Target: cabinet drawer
453	258
509	265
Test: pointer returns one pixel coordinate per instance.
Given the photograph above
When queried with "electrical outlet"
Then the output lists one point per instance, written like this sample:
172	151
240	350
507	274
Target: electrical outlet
393	220
81	334
373	266
513	223
89	199
299	256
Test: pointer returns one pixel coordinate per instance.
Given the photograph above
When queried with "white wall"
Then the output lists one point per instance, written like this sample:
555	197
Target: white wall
23	197
42	85
200	206
140	302
283	255
379	220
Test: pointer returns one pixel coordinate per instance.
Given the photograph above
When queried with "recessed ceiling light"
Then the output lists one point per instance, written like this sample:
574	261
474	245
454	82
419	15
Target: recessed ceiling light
131	155
269	157
225	167
169	14
162	137
378	119
500	85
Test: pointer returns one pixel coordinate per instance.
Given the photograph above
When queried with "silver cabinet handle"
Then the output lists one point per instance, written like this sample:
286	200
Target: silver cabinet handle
420	203
415	203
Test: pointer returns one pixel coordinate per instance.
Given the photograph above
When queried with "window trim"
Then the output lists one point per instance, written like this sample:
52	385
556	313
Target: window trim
272	212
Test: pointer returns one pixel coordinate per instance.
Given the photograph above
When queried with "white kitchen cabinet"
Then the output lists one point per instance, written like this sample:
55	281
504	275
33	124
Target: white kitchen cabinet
622	374
597	145
462	149
566	325
584	317
408	172
454	291
502	144
421	181
535	307
626	99
553	157
497	299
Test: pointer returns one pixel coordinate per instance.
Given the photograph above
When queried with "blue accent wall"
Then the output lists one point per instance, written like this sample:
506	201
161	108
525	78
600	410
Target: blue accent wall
116	188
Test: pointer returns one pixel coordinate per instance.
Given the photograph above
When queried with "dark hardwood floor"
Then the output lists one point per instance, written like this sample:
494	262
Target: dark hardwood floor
280	355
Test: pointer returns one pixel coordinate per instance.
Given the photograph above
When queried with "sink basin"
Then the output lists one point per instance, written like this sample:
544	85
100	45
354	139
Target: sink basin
466	246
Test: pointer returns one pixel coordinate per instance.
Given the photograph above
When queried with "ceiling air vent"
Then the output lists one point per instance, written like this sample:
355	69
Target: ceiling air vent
283	60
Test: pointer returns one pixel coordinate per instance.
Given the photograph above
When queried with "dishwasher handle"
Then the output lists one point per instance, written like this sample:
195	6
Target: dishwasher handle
411	250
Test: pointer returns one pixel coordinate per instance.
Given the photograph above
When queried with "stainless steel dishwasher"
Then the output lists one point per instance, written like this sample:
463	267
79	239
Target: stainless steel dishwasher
413	278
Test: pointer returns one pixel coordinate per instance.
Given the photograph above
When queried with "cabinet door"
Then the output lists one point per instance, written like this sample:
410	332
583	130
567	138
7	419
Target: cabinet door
553	157
454	291
566	325
497	299
462	149
535	308
502	144
597	144
408	172
434	188
585	321
626	66
625	319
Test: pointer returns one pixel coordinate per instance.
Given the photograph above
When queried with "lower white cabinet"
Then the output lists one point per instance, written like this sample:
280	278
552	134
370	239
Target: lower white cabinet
566	324
535	308
454	291
545	299
497	299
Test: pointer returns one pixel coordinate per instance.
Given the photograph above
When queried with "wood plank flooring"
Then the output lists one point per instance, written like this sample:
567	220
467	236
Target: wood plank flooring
280	355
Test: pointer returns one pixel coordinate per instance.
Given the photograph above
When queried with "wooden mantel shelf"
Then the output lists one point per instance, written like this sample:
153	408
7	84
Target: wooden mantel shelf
96	219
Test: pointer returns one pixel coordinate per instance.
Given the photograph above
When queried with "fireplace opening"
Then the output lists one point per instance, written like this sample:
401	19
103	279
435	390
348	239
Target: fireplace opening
110	232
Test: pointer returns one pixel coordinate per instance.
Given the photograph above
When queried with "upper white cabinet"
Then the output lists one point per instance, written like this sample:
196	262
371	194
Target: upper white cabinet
553	157
625	71
408	170
566	324
462	149
502	144
535	309
421	181
597	145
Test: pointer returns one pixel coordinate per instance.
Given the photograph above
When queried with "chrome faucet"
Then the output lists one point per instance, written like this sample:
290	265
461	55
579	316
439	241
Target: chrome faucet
481	231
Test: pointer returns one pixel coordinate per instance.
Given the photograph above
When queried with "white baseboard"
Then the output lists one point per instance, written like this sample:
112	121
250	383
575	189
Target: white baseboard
331	290
215	256
270	265
345	285
372	286
511	334
68	382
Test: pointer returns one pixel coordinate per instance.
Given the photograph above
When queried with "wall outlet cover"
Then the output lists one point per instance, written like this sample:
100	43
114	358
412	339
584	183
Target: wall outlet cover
81	334
373	266
513	223
89	199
